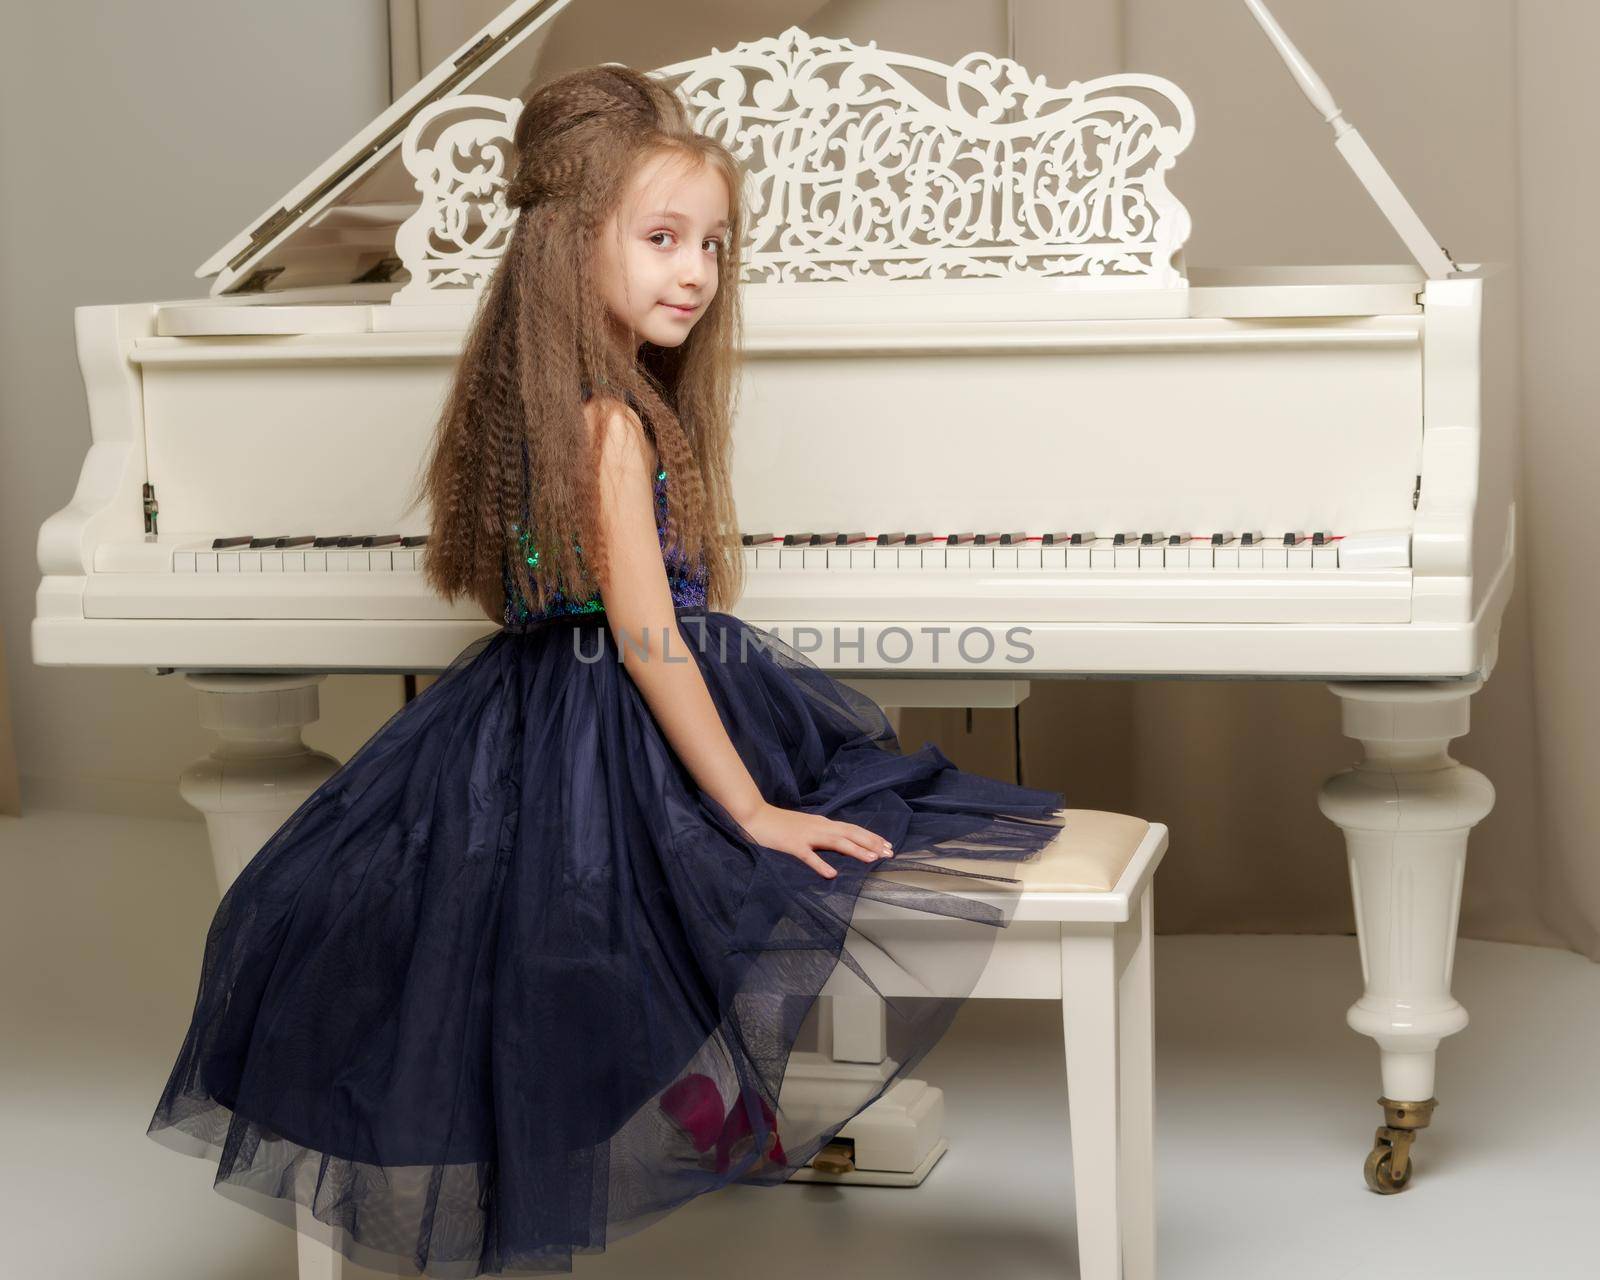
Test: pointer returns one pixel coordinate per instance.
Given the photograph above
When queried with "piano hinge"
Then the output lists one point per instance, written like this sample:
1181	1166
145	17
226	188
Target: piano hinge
383	271
258	280
1416	493
151	508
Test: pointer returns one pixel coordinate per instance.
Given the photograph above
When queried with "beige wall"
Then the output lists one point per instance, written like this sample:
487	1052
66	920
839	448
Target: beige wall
1471	103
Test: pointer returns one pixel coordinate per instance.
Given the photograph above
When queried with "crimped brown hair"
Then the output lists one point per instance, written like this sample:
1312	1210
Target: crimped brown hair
541	334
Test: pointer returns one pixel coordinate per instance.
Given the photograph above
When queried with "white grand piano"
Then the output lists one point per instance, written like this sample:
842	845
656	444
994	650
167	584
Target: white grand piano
976	295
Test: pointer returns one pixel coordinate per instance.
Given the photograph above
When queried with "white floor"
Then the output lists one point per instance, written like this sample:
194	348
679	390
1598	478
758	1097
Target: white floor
1265	1111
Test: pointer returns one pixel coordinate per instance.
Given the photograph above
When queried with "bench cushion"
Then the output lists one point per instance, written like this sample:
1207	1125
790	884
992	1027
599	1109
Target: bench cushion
1089	856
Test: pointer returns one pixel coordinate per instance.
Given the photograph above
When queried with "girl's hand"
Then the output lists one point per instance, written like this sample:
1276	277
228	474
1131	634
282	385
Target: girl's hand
801	834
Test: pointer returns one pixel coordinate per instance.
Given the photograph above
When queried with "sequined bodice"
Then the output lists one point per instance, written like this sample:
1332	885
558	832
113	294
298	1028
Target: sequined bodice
687	582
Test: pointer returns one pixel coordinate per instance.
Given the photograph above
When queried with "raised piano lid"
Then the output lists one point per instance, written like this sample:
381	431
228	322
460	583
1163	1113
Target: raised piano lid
346	211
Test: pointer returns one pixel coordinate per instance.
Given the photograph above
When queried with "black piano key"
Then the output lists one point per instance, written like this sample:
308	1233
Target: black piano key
414	540
1011	539
917	539
845	539
242	540
985	539
750	539
384	539
296	540
1293	539
1151	539
1177	539
889	539
1250	538
796	539
955	539
271	540
329	539
1083	539
1320	539
824	539
1219	539
1125	539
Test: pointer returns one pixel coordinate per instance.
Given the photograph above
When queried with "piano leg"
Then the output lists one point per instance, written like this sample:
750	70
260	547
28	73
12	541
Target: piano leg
1406	810
260	773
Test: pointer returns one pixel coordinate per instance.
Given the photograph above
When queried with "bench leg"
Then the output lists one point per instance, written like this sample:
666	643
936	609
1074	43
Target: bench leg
1135	1029
1089	1017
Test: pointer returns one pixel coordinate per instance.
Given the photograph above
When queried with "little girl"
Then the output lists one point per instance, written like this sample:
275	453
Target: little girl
525	974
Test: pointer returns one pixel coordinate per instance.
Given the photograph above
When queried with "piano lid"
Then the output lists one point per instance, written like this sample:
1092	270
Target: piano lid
337	226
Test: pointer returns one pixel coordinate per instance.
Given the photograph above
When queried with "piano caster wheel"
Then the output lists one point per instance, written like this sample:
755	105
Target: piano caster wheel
1388	1168
836	1157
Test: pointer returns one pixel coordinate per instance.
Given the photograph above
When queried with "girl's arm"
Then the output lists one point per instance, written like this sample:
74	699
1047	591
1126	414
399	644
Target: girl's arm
640	615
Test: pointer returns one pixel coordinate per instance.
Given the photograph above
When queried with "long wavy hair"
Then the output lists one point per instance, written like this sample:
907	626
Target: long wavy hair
542	332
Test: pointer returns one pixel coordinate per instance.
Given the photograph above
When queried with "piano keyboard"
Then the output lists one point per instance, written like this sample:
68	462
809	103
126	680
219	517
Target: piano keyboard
1146	550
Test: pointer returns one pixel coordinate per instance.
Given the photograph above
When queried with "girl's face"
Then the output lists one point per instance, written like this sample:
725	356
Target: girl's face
657	257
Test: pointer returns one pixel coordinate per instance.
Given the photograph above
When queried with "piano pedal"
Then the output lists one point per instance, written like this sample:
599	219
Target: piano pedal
838	1157
836	1163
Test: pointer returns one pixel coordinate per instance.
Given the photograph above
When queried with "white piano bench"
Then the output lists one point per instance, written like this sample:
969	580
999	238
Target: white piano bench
1082	933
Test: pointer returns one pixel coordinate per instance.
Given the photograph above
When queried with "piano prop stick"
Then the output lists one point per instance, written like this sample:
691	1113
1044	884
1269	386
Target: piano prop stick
1353	147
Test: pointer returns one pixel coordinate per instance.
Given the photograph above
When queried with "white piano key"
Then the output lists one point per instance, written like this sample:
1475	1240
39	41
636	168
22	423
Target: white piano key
249	562
748	554
294	561
227	562
1325	557
980	558
861	557
336	561
272	562
1005	557
205	562
1030	557
1126	557
1154	557
792	558
1250	557
1176	557
1225	556
1054	557
1275	557
316	562
1299	557
769	557
183	562
814	558
935	556
1080	557
958	557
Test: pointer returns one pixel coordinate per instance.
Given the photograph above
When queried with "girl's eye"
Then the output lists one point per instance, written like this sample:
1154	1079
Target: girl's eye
708	240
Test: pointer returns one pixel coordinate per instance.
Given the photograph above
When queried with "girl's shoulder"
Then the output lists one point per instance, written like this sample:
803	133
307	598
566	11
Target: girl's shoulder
633	405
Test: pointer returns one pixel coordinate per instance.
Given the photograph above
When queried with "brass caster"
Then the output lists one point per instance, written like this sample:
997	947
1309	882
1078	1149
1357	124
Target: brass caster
1388	1168
836	1158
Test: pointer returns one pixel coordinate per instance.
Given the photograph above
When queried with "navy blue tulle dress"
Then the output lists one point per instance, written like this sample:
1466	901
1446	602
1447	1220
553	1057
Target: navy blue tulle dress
509	985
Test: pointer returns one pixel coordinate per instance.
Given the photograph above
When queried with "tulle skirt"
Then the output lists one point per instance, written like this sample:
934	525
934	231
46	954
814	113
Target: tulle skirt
509	985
